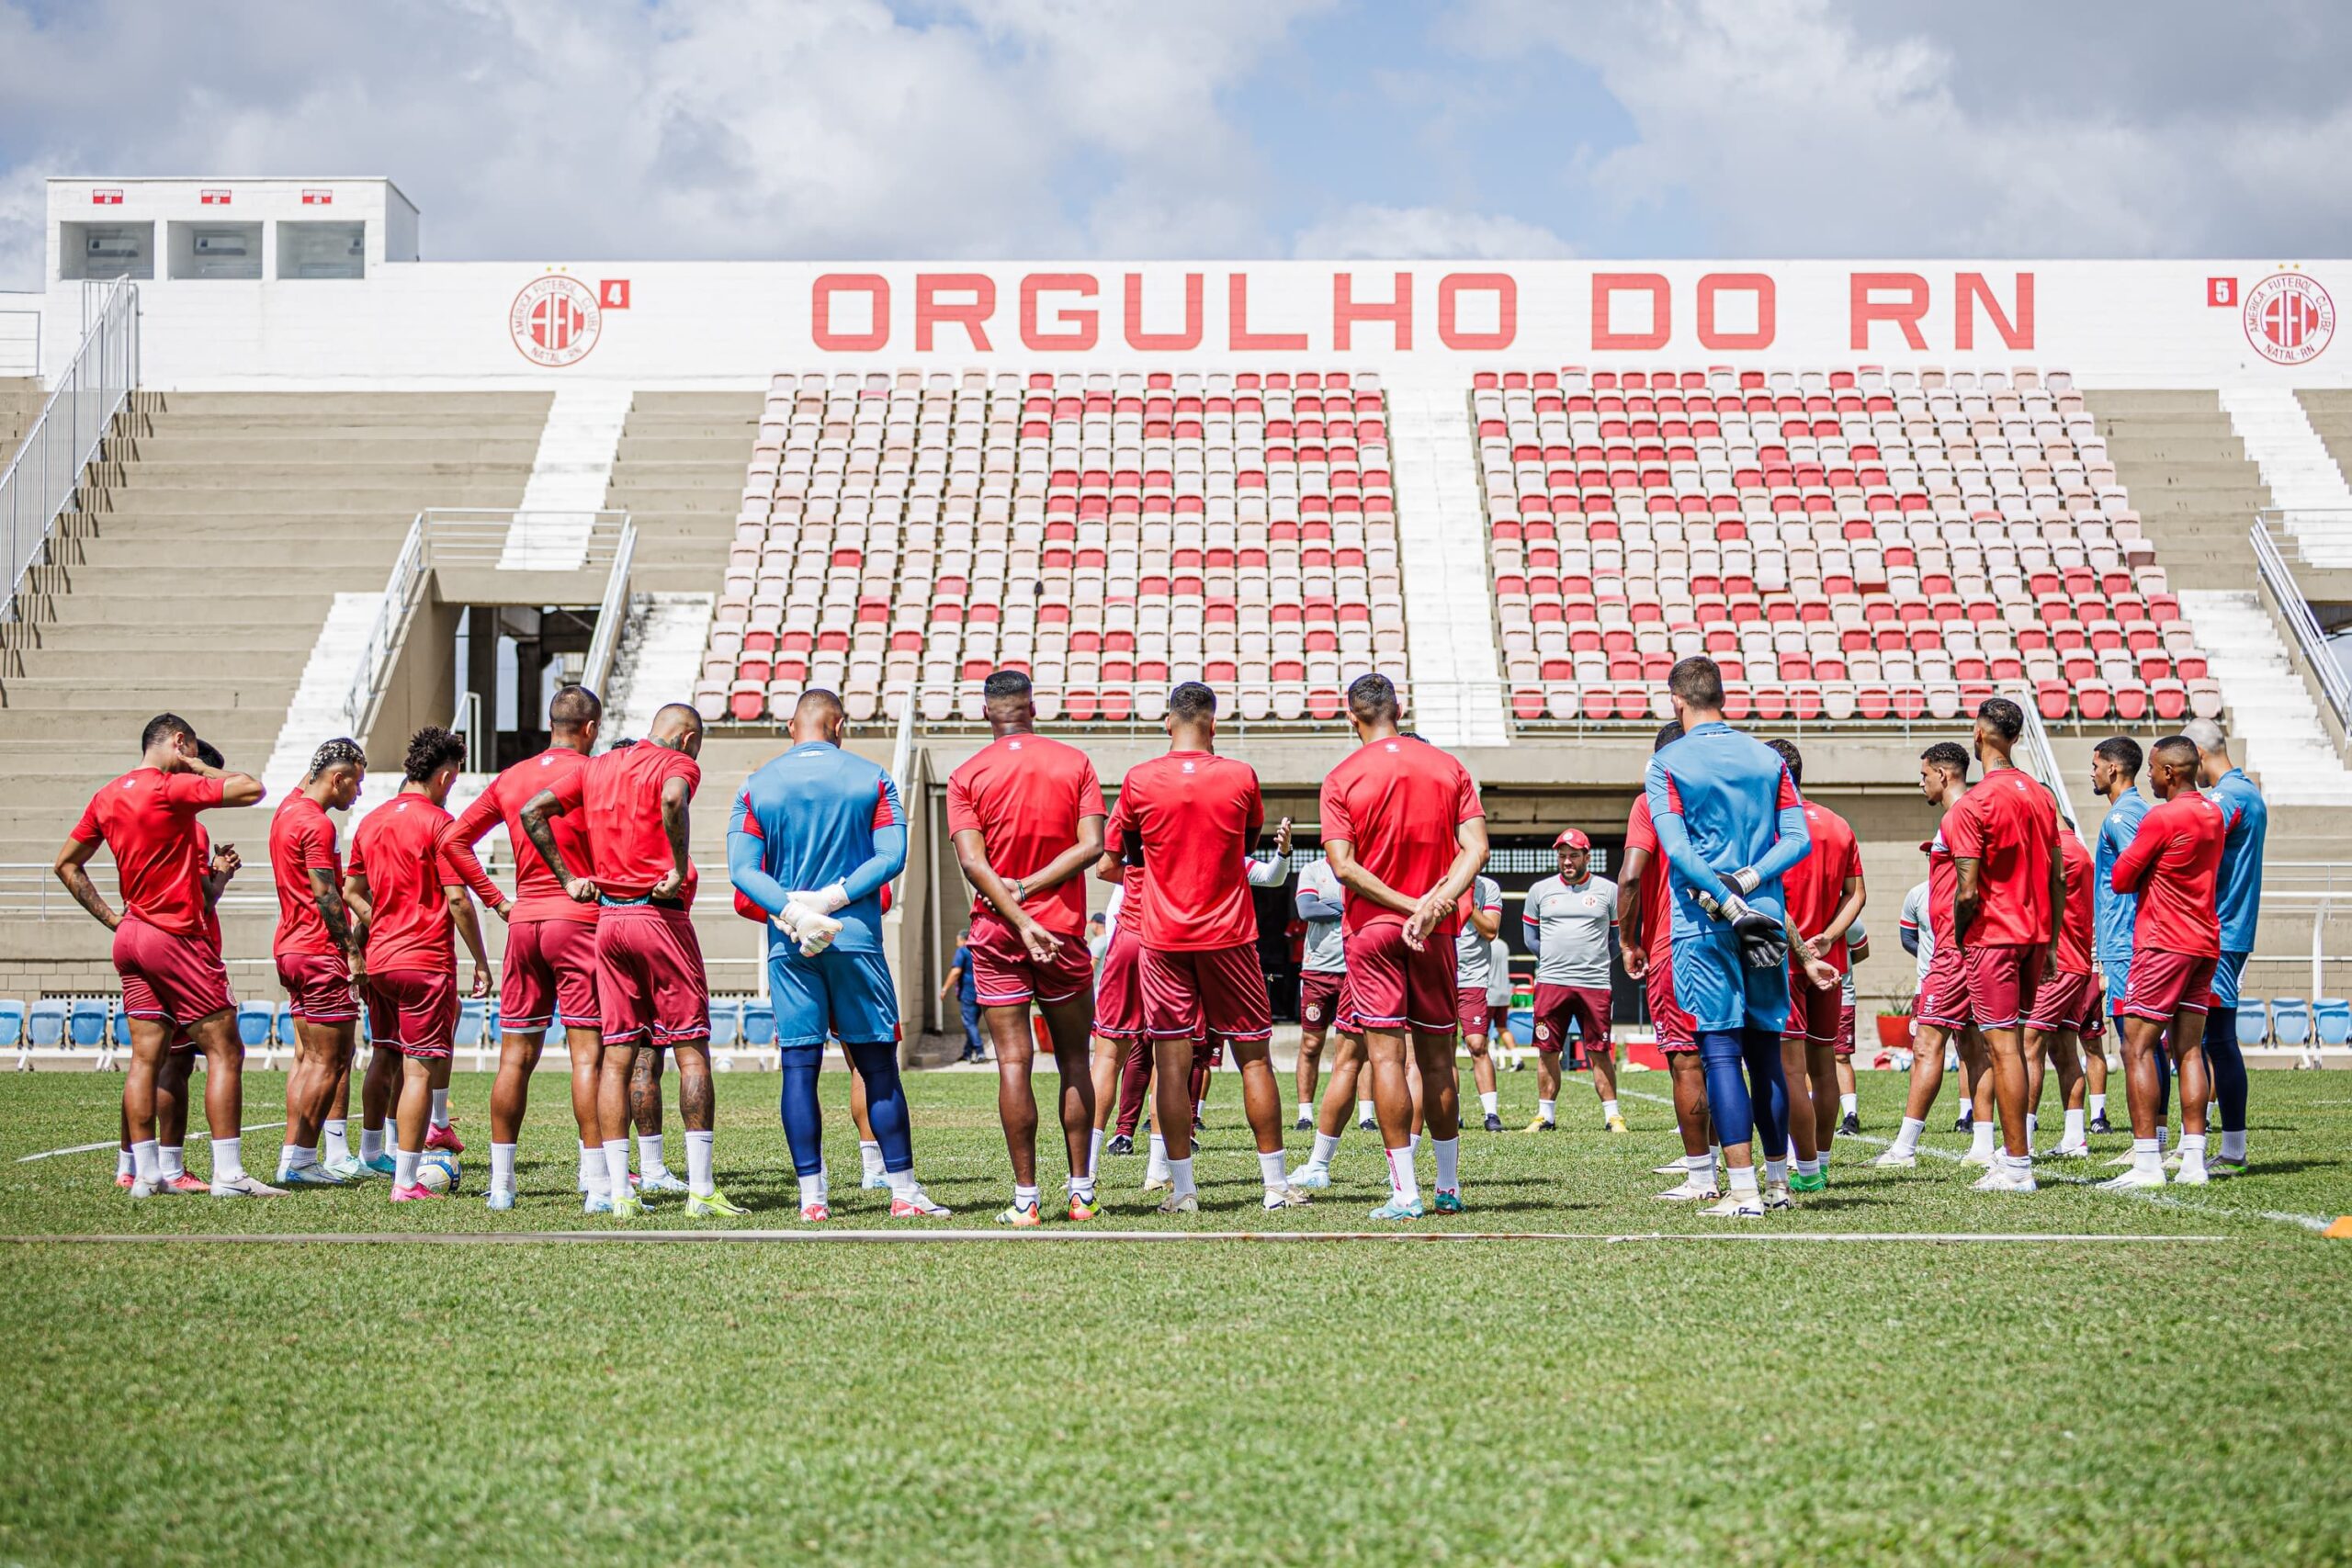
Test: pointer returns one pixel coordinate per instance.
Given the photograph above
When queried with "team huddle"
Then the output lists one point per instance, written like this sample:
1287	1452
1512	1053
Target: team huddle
1738	909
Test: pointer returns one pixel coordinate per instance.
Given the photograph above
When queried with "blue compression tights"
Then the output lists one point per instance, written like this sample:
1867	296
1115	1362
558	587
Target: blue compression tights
886	1106
1747	1092
2226	1061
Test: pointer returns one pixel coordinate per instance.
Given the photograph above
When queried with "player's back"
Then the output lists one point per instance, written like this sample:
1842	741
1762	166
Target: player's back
2008	824
301	839
1193	815
2238	890
1815	885
621	797
815	808
2078	922
1398	802
1024	794
539	892
2115	913
397	847
1730	789
147	821
1656	895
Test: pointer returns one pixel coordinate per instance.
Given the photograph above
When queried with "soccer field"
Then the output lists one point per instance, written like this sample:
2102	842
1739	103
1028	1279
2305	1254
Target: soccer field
2120	1380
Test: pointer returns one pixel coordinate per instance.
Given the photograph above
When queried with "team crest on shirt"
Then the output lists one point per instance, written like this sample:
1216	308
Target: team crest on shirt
1013	745
1187	767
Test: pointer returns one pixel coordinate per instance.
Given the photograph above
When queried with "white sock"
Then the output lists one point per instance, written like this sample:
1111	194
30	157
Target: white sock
591	1168
404	1168
1093	1161
1023	1197
1743	1179
869	1157
2098	1106
1084	1186
1715	1153
2163	1135
1200	1110
700	1147
440	1107
335	1142
616	1168
1412	1142
1158	1168
1847	1104
1306	1110
371	1143
2022	1163
649	1155
1270	1172
1180	1175
1449	1163
1808	1167
1776	1171
1702	1169
813	1190
228	1159
1363	1111
2032	1124
2073	1133
1491	1101
146	1164
2148	1154
296	1157
1403	1182
1608	1109
1967	1106
123	1164
2234	1145
1982	1138
1326	1145
1548	1108
1906	1141
502	1167
902	1182
2192	1151
172	1158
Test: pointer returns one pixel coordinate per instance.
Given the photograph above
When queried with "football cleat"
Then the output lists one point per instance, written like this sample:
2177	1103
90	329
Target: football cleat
444	1138
124	1178
914	1203
1613	1125
1398	1209
2219	1166
189	1186
1540	1125
1304	1125
2191	1176
241	1187
414	1192
380	1164
311	1176
1312	1177
1494	1122
2132	1180
1368	1124
1120	1143
815	1214
665	1183
713	1205
140	1188
1738	1206
499	1203
1807	1182
1895	1160
1162	1183
1022	1216
1190	1203
2122	1161
1446	1203
1671	1168
1692	1190
629	1207
1776	1196
1080	1208
1851	1127
2004	1178
1287	1197
1964	1123
1979	1161
346	1166
2172	1159
597	1203
2098	1124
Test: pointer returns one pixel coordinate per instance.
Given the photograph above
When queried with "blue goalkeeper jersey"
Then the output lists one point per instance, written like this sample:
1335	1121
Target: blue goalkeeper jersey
813	817
2114	914
2237	891
1722	801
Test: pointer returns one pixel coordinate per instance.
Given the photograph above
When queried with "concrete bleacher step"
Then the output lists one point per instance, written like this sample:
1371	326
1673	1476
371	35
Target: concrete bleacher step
678	471
248	550
2189	477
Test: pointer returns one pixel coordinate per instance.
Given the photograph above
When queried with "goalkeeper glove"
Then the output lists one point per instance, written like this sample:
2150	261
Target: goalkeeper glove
1763	941
1744	881
824	900
812	931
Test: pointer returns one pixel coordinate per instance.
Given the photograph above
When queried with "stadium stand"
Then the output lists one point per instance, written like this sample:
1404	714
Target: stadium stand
1851	544
1109	534
20	400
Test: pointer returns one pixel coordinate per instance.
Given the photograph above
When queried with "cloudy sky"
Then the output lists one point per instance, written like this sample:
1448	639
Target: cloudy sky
581	130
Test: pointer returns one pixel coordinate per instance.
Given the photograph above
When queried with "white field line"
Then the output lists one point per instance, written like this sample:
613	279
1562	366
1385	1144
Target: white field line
820	1237
117	1142
2151	1195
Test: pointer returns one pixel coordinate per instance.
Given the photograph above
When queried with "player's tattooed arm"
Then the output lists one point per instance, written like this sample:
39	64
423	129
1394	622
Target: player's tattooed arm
1967	899
332	913
536	812
675	794
73	869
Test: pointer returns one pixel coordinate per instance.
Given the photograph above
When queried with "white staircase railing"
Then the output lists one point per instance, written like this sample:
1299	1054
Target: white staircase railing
40	483
2310	641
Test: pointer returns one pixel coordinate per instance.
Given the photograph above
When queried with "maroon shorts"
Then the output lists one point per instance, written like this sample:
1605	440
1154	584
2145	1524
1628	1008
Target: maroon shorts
1557	1005
318	987
1390	986
650	987
1005	975
1118	989
2164	984
1318	1000
550	977
1470	1009
2064	1002
1813	1015
179	979
1943	994
2001	978
1673	1024
414	1011
1845	1027
1498	1022
1218	991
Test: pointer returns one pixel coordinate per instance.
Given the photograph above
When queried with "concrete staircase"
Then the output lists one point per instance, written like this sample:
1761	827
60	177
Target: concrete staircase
20	401
2329	410
1442	555
217	534
679	475
2301	475
2272	711
2189	478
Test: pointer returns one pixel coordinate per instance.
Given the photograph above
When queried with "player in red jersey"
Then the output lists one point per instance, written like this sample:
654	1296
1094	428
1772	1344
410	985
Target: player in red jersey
2172	866
550	976
1191	818
2066	1021
1405	834
1025	814
1824	896
173	977
2006	909
653	992
319	949
1646	927
1941	1013
409	893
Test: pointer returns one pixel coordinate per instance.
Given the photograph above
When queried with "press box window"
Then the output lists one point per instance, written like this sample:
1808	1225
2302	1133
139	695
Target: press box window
106	250
322	250
216	251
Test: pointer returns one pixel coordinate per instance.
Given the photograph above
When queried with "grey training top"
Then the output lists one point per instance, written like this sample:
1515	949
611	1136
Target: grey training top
1569	928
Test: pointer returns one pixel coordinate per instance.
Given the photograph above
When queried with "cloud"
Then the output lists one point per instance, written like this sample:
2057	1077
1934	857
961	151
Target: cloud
1366	231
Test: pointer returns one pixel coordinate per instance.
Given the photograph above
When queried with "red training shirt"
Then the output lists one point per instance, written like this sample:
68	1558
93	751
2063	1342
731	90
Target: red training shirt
1944	881
2172	866
1024	796
1398	802
398	848
301	839
1815	885
618	796
2008	825
148	818
1657	907
2074	925
1194	816
539	892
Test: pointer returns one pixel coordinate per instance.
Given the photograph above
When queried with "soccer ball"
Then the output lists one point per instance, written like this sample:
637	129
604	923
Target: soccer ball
438	1172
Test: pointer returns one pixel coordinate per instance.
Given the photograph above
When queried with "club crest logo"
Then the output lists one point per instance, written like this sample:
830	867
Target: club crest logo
2290	318
554	322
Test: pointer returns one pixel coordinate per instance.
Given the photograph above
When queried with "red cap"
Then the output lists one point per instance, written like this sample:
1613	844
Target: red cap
1570	839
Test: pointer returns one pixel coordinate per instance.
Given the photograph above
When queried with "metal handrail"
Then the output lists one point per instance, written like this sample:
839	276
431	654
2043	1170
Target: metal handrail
611	612
375	658
41	479
2309	639
2041	760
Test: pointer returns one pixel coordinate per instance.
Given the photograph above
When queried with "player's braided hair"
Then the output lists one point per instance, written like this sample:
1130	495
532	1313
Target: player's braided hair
342	752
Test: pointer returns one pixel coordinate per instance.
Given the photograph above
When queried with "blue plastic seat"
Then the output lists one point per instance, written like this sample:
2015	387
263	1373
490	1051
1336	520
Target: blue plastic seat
1522	1026
2254	1022
86	1022
45	1022
472	1019
2291	1021
727	1021
2333	1016
759	1025
12	1022
252	1023
286	1023
121	1027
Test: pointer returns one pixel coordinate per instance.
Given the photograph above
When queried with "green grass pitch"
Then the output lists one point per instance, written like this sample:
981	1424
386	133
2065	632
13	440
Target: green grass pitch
1577	1399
